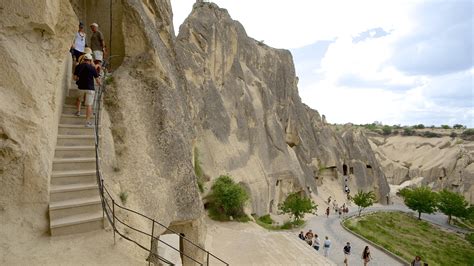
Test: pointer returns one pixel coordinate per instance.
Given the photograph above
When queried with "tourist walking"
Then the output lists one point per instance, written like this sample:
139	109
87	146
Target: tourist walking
347	252
366	257
84	74
97	43
301	235
416	261
329	200
79	43
316	242
327	246
327	212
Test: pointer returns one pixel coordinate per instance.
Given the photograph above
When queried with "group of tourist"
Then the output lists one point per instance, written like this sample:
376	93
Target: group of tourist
313	240
342	210
87	66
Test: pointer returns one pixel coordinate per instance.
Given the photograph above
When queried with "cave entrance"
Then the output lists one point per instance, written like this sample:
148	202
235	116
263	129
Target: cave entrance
109	15
271	206
344	169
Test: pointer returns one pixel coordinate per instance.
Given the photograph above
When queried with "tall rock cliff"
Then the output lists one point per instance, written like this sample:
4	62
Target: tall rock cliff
250	121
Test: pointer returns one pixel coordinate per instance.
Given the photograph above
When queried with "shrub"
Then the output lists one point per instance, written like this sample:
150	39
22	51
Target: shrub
408	131
468	132
430	134
458	126
227	199
445	127
198	170
266	219
453	134
123	195
297	206
419	126
470	238
387	130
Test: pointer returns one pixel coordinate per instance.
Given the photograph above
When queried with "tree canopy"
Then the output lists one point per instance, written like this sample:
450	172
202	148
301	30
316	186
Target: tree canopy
364	199
420	199
297	206
452	204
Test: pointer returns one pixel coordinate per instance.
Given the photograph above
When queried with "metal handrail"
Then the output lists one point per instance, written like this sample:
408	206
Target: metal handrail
109	212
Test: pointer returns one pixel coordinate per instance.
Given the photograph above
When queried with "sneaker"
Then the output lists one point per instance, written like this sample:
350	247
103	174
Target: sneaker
89	124
78	113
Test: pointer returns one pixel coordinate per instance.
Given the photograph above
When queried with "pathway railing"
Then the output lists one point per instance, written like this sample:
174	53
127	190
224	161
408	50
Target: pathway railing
116	214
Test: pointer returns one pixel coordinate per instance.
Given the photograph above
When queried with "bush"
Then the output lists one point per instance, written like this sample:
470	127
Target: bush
458	126
419	126
470	238
227	199
266	219
453	134
429	134
387	130
468	132
408	131
445	127
123	195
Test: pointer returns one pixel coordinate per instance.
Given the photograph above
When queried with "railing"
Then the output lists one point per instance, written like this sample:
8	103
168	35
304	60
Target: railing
111	210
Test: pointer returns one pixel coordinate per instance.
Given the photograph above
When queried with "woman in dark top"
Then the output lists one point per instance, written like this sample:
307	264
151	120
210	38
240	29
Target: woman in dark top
366	255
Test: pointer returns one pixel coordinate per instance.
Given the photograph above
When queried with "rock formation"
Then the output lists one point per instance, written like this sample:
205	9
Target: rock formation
250	121
212	88
438	162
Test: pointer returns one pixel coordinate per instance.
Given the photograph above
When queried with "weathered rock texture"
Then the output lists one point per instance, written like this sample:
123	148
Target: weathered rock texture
250	120
34	42
441	162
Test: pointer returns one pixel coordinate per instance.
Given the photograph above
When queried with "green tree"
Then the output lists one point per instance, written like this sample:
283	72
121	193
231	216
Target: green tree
420	199
445	127
297	206
227	197
364	199
458	126
419	126
452	204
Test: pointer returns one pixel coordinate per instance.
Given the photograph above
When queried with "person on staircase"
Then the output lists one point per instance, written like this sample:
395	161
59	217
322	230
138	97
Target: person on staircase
79	43
85	74
97	42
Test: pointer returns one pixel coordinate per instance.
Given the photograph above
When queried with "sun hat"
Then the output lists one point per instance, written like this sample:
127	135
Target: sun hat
95	24
87	57
87	50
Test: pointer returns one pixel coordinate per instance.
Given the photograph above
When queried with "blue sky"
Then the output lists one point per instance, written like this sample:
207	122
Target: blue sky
397	62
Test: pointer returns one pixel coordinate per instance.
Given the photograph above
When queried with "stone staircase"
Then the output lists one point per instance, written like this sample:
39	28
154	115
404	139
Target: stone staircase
75	205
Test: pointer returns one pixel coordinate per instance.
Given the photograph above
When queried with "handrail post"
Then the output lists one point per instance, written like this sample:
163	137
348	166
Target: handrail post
207	258
113	217
151	241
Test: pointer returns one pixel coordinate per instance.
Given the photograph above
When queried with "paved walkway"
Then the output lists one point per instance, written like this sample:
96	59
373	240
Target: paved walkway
332	228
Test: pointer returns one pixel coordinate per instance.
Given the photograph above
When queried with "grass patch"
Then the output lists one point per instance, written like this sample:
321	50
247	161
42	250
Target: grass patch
463	223
123	195
267	223
407	237
222	217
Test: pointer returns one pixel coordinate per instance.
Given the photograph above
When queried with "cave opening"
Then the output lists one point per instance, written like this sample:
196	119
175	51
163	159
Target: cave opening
344	169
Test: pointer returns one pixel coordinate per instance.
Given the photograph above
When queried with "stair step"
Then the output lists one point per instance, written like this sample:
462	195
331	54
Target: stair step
65	204
73	173
75	129
73	119
77	223
63	192
74	151
65	208
62	164
75	140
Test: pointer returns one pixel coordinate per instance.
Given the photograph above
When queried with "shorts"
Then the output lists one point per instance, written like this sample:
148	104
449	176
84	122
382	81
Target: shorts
89	97
98	55
76	54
